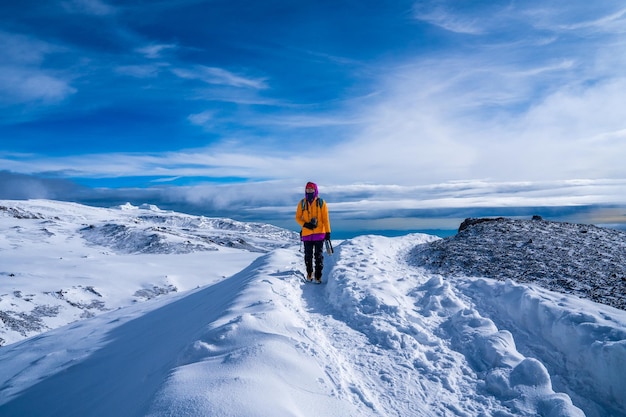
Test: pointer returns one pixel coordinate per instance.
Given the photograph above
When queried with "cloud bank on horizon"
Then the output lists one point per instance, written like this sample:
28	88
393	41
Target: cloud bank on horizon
404	105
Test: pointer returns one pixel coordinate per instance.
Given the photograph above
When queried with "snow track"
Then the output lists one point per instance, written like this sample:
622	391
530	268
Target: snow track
379	338
377	294
429	352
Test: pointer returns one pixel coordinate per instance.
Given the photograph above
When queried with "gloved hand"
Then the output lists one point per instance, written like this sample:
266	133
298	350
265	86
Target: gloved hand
327	237
310	225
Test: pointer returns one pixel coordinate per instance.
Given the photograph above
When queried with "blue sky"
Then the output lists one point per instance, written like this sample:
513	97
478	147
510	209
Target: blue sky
408	114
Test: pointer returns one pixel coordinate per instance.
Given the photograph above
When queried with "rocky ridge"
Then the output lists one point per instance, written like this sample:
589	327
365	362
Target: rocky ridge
584	260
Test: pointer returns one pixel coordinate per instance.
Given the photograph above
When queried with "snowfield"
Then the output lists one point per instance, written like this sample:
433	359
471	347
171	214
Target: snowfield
134	311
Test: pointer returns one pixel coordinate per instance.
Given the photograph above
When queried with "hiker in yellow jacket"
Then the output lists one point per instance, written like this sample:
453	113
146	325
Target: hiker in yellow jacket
312	215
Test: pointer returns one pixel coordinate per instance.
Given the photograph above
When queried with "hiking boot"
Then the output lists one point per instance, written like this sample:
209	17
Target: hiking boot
318	280
309	276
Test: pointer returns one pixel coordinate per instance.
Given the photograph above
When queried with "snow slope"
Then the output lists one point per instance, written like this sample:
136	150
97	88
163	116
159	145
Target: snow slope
381	337
61	262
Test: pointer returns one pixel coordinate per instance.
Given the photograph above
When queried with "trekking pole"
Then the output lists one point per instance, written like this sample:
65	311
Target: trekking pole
329	247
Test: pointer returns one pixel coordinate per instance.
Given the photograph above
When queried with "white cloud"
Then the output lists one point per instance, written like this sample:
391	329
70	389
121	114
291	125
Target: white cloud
26	85
202	118
154	51
612	22
493	115
605	17
438	15
21	77
151	69
308	120
20	50
290	173
219	76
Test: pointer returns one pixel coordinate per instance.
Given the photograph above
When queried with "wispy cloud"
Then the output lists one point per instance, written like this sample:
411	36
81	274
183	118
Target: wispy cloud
612	22
154	51
308	120
219	76
605	17
153	64
503	115
201	119
213	163
437	15
22	76
465	132
20	49
20	85
359	207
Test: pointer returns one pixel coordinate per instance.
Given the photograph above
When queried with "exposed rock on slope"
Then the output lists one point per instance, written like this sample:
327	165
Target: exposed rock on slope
583	260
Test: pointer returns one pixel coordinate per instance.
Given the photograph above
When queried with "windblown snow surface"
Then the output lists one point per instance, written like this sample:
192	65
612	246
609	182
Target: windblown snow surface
134	311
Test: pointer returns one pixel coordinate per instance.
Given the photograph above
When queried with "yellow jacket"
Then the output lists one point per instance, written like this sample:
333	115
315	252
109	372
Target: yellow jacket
306	211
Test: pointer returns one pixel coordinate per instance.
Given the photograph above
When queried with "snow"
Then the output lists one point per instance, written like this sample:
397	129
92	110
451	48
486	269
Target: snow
211	317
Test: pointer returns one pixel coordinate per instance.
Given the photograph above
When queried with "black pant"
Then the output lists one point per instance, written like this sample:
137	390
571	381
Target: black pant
312	249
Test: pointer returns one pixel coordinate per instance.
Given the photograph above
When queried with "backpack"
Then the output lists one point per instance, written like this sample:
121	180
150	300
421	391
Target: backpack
303	203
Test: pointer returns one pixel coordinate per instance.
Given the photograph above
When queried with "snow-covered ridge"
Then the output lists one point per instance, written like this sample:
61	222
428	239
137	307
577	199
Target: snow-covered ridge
584	260
147	229
56	258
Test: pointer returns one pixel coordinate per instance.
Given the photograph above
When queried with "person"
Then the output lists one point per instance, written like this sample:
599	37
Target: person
312	216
